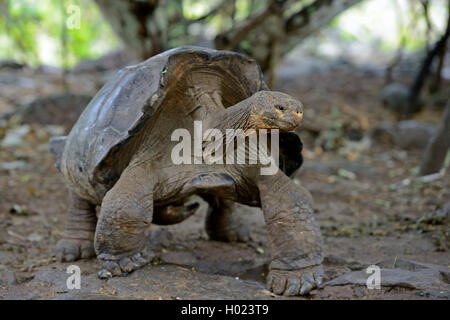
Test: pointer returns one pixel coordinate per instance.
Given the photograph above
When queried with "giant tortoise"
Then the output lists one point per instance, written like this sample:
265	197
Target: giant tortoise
119	155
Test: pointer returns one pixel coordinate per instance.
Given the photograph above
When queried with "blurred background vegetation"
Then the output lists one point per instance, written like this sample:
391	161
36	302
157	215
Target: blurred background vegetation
35	31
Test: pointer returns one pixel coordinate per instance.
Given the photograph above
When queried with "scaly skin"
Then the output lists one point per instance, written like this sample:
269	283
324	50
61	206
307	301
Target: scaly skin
125	216
294	235
221	224
79	232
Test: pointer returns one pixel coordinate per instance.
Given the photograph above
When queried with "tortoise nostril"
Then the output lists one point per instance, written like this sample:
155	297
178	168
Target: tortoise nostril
279	107
298	112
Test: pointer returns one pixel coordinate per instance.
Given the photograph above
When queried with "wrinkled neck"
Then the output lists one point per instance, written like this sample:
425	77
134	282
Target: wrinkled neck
211	105
234	117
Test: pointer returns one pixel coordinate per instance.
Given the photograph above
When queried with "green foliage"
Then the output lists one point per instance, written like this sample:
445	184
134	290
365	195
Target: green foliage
19	24
392	23
36	32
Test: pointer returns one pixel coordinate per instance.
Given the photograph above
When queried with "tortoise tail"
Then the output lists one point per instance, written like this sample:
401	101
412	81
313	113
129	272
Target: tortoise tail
173	214
56	147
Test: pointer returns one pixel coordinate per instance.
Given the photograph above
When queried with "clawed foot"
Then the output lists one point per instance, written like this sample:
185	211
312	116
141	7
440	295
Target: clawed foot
295	282
122	266
68	250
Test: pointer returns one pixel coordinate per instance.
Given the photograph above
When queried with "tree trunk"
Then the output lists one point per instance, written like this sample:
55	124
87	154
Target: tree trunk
437	80
138	24
295	28
438	146
143	26
419	81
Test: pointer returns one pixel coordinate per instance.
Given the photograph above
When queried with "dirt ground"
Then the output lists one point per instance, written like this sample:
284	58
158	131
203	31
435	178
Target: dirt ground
372	207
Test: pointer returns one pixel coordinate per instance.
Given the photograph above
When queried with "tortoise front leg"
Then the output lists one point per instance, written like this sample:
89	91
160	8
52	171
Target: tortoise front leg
125	216
294	236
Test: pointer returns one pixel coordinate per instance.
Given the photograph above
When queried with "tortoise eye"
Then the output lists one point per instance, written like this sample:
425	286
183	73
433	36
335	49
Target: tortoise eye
281	108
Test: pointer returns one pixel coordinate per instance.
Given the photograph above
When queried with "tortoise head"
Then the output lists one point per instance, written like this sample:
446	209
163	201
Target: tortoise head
274	110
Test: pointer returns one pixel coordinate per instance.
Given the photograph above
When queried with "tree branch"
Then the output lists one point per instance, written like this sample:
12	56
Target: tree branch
424	71
213	12
315	15
231	39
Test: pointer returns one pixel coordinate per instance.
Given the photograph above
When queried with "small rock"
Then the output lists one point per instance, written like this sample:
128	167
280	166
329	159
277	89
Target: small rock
346	174
55	130
434	294
438	217
34	237
260	250
11	64
358	291
431	177
400	273
406	182
20	210
408	134
104	274
15	165
395	97
7	277
61	109
14	138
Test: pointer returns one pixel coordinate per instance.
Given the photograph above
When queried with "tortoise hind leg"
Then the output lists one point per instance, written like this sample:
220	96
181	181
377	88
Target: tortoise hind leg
222	224
125	216
78	240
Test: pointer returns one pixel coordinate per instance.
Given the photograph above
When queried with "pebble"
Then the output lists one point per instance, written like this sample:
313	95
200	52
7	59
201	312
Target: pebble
7	277
15	165
14	138
104	274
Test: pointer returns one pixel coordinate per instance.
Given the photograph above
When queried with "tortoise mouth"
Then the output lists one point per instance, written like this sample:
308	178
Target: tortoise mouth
280	124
